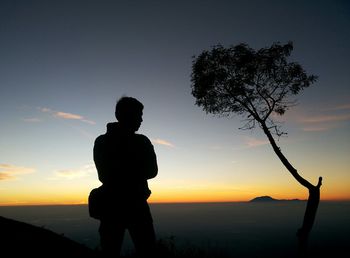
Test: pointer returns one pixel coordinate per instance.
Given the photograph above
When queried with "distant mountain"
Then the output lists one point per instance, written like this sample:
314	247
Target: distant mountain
22	239
263	199
270	199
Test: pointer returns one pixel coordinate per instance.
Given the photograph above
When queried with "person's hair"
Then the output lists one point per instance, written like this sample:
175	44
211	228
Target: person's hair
127	106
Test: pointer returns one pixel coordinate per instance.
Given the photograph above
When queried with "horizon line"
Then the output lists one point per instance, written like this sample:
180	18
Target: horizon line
166	202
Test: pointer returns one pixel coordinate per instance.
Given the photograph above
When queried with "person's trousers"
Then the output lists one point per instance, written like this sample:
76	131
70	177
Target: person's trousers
138	221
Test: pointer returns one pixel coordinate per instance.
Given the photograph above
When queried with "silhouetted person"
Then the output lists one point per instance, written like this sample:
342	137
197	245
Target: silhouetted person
125	161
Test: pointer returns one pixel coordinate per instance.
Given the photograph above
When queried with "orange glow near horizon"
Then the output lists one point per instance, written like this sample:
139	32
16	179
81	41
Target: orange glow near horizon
190	196
171	191
158	201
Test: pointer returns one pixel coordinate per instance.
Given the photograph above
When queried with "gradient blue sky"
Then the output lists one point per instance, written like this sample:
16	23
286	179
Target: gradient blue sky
63	65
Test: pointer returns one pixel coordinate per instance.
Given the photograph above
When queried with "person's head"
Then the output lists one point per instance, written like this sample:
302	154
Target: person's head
128	112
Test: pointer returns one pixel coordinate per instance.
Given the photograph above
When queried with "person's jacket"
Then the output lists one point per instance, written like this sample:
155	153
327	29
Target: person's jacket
125	162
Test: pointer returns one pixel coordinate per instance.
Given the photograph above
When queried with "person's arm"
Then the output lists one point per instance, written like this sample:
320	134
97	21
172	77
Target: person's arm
149	159
101	163
151	163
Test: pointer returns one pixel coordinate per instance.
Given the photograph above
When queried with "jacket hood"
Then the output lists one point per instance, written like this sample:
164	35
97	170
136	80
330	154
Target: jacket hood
113	127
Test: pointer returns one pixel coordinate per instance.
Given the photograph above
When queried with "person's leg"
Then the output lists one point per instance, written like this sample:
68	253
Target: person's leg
111	238
144	238
140	225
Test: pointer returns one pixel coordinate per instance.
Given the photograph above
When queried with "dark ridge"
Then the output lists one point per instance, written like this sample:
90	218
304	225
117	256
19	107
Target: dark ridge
263	199
19	238
270	199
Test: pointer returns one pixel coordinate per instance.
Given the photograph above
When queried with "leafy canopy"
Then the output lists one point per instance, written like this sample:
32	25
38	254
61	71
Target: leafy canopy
250	83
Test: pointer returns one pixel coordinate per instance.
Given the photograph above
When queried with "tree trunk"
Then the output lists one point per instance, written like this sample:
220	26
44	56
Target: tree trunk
309	217
314	194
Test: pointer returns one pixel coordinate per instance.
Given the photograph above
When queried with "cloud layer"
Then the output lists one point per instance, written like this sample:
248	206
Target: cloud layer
75	173
64	115
332	117
252	142
8	171
162	142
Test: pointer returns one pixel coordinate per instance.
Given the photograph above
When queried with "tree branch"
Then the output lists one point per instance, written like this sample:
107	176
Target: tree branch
284	160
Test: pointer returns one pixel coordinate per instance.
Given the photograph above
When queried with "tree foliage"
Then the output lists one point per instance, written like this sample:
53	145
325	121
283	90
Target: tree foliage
256	84
251	83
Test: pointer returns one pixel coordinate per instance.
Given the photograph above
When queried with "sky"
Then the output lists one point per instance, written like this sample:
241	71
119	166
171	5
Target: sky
64	64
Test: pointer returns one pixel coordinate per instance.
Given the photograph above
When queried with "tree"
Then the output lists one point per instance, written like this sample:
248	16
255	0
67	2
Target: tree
257	85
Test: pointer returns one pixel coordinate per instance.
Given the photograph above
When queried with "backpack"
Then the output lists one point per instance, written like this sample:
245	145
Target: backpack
97	202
